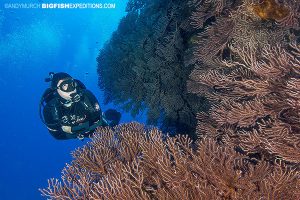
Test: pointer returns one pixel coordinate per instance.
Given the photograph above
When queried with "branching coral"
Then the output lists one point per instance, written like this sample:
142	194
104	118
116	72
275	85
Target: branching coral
133	162
267	92
206	9
255	100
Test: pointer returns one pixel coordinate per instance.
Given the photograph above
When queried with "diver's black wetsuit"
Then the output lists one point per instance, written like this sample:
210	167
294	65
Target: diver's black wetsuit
80	116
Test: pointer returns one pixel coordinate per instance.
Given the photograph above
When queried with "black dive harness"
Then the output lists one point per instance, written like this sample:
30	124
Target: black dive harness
68	85
83	127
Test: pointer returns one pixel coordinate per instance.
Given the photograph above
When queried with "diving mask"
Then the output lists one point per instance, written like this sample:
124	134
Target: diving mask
68	85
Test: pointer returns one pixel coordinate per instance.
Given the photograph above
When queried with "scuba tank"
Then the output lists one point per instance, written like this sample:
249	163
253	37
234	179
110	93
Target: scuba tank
48	94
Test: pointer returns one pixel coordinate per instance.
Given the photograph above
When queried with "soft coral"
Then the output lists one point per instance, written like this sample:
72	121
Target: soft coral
270	9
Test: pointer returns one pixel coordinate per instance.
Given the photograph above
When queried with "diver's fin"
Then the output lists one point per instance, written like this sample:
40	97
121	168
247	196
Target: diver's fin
112	116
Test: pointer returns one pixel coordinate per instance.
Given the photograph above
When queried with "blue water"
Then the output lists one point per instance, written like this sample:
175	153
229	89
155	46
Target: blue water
32	43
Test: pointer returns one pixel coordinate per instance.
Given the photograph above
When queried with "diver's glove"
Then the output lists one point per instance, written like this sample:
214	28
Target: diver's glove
67	129
75	97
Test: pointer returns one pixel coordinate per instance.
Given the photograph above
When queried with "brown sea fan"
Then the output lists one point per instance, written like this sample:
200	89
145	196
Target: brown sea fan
166	168
256	84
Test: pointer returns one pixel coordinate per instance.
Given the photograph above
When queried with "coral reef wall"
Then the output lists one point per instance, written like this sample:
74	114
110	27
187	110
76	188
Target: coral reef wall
250	74
143	65
248	140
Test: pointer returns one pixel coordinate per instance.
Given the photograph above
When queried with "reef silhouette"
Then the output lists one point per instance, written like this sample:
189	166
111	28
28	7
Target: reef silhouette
142	67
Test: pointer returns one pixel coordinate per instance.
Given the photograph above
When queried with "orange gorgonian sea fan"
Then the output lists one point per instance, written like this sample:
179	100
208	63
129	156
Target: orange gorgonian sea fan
286	13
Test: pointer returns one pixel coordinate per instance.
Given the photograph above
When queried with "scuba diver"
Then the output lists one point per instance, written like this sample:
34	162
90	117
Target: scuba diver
69	110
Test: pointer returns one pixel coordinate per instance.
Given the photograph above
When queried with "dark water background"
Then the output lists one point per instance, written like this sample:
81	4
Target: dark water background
32	43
